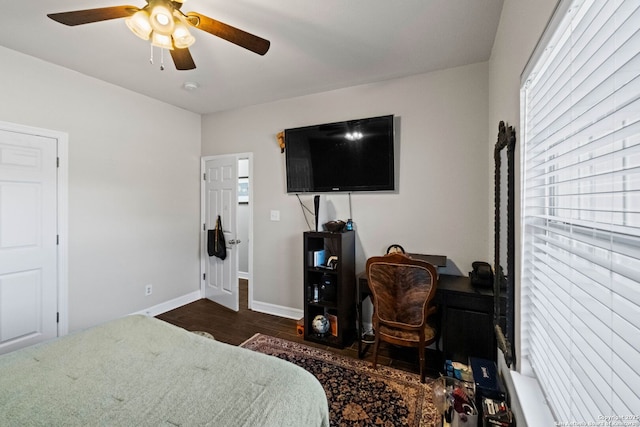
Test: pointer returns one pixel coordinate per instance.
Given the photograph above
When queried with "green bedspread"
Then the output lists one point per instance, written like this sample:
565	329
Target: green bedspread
141	371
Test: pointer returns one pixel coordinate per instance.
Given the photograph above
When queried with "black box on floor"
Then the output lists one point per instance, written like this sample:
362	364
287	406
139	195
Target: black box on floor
485	376
487	382
495	413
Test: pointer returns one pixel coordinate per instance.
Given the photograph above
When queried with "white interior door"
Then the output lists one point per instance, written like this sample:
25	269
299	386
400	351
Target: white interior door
28	239
220	197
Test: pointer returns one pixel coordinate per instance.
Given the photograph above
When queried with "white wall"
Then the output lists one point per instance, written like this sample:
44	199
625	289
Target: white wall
442	204
133	186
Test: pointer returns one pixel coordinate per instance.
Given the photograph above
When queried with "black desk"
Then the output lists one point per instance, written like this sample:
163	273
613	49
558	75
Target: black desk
466	317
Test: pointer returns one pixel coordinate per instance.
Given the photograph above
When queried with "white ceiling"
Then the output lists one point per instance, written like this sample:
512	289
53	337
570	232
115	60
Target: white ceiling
315	46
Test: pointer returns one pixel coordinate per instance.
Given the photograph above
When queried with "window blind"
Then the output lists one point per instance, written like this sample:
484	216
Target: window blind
580	270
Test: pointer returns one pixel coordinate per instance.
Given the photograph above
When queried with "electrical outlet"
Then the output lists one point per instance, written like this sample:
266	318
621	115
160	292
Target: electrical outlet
148	290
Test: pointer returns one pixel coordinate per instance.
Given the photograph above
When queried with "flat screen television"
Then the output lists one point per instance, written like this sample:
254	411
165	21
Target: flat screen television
354	155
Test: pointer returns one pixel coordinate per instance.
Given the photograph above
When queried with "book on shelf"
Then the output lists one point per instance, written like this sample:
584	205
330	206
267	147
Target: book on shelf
333	324
316	258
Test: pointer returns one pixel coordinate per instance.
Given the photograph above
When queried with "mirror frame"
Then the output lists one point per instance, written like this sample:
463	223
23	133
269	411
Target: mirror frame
506	141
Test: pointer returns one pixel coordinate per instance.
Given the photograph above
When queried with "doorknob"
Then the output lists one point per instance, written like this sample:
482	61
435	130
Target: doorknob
234	241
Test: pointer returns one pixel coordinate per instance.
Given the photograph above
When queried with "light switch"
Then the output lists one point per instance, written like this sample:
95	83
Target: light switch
275	215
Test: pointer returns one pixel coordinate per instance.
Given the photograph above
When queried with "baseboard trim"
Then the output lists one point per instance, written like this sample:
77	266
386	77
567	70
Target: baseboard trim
277	310
171	304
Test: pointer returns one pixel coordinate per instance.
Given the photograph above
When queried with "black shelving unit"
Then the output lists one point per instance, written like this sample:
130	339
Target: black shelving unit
336	287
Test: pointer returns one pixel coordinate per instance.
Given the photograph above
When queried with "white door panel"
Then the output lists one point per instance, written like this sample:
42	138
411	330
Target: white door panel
28	234
221	194
20	298
19	215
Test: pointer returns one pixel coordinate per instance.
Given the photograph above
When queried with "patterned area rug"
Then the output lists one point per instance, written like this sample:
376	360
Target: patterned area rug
358	395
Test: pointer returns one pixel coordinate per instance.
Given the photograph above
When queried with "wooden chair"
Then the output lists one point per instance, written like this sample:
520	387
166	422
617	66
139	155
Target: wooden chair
402	289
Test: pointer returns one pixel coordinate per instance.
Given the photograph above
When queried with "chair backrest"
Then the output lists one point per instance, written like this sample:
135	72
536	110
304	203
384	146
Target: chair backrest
402	288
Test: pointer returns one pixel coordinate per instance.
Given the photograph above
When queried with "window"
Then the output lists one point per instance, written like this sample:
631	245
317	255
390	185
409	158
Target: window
580	277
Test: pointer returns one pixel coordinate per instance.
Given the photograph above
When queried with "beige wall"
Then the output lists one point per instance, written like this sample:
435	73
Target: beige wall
442	204
133	186
521	25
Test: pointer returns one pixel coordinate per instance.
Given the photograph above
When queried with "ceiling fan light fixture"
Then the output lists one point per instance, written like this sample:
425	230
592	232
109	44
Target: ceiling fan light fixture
161	40
139	24
182	38
161	18
164	25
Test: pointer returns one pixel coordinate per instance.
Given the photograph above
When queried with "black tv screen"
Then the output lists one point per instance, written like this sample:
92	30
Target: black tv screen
354	155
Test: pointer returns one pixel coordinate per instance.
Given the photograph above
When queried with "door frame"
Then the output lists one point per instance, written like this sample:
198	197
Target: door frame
237	157
62	188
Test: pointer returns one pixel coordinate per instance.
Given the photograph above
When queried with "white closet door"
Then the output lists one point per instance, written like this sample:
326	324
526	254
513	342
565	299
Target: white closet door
28	233
221	198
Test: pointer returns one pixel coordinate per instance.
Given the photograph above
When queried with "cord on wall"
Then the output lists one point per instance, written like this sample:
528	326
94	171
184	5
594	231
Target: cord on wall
304	212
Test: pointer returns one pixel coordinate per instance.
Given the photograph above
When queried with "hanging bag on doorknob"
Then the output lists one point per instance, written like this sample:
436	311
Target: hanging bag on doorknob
215	241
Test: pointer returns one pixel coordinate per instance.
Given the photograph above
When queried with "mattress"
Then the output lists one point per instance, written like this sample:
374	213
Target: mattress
142	371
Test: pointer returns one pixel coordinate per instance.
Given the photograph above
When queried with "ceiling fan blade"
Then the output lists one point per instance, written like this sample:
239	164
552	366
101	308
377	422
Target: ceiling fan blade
182	59
232	34
79	17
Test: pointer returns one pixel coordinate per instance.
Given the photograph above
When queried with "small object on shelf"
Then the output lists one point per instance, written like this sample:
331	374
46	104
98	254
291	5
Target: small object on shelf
333	324
334	226
332	263
327	288
349	225
317	258
320	324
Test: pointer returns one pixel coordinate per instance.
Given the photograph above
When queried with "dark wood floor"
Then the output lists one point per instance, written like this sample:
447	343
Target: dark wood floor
236	327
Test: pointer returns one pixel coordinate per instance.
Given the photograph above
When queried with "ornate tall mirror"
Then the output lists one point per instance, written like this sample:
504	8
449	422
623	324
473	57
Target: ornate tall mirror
504	241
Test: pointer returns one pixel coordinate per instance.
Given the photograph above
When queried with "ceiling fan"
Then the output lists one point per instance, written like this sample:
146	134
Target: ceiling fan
162	22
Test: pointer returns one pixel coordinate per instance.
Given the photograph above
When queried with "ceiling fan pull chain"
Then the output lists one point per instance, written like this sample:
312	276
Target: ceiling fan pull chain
161	59
151	57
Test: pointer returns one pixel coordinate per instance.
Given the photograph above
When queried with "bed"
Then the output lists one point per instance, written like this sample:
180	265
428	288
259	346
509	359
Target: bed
142	371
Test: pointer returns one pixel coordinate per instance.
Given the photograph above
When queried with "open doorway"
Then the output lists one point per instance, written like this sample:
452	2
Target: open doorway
243	222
